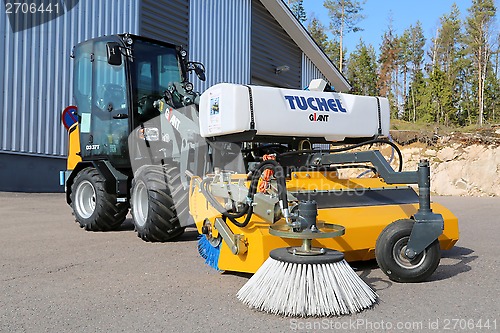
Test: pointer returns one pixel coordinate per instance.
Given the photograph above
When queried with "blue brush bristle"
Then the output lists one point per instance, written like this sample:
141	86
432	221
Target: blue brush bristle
208	252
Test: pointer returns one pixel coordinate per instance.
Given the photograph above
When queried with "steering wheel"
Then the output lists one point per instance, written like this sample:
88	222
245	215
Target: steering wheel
111	94
146	107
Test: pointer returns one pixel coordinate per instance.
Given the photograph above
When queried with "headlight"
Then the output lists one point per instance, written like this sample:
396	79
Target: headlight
149	134
188	86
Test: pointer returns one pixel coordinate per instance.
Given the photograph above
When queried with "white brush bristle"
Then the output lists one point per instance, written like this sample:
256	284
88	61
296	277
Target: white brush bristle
304	290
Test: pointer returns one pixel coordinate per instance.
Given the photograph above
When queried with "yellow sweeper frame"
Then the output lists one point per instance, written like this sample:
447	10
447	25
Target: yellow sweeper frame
363	223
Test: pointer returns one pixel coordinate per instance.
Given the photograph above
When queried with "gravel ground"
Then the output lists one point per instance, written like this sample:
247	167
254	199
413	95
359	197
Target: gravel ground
55	277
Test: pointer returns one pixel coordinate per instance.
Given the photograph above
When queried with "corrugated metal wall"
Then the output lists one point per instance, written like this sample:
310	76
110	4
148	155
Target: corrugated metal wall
272	47
310	71
36	72
166	20
238	40
220	38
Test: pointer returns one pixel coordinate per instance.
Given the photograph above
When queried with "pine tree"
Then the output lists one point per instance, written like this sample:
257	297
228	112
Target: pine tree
491	95
446	47
298	10
388	67
493	88
345	16
477	38
403	60
416	45
418	98
467	90
362	70
447	61
416	59
333	51
317	31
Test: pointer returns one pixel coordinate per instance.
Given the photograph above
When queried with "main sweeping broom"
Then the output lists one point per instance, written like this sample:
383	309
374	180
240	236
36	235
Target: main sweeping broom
304	286
306	281
301	281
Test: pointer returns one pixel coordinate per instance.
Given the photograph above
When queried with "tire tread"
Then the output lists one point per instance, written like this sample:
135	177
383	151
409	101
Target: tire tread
108	214
383	254
166	207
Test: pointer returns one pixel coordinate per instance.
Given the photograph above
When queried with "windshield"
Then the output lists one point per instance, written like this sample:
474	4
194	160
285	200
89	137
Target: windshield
154	68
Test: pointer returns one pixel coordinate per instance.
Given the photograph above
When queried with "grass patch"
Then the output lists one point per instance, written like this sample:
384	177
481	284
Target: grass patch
402	125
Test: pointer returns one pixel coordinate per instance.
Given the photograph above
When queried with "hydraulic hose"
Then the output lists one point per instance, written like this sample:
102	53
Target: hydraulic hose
254	181
211	199
390	159
339	150
278	173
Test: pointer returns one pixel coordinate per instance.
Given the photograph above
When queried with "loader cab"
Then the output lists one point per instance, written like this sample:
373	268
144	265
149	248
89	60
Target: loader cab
117	79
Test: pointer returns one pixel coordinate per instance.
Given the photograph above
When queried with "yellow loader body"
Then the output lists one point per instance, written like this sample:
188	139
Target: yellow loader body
73	147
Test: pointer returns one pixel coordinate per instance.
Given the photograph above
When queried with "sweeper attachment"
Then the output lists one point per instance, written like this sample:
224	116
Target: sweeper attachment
289	215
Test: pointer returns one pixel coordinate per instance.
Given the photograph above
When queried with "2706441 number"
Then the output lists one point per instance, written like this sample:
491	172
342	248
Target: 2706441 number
469	324
30	8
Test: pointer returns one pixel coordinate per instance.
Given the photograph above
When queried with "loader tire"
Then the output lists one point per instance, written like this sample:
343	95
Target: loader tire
389	252
159	202
93	207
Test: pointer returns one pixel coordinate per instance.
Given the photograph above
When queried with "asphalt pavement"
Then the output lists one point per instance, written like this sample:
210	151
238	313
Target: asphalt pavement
56	277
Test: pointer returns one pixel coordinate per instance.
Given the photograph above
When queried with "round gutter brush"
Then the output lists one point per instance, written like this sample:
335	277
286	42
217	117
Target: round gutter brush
306	281
209	251
209	246
303	286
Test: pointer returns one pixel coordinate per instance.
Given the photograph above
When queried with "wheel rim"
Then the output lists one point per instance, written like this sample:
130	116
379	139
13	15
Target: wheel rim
85	199
140	202
398	253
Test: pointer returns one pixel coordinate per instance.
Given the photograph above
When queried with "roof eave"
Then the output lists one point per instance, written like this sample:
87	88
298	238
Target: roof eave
304	41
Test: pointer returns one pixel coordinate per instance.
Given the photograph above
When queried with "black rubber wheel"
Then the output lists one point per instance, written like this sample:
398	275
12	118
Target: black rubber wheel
159	203
389	252
93	207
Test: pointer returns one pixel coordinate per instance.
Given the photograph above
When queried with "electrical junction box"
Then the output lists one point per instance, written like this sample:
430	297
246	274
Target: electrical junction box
228	109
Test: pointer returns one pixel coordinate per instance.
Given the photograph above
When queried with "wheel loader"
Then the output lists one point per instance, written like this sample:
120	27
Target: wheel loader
242	163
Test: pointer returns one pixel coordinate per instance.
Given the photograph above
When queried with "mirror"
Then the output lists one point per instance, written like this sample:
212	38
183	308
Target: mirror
198	68
114	53
200	71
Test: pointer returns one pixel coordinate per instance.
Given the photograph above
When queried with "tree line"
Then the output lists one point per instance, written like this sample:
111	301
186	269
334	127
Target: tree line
452	78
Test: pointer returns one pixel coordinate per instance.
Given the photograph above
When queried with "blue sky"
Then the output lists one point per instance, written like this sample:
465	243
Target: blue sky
404	13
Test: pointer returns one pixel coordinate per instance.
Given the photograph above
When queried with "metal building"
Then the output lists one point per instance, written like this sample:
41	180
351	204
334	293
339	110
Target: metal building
239	41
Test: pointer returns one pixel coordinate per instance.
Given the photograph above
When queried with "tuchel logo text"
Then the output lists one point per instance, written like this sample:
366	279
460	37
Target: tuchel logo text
315	104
